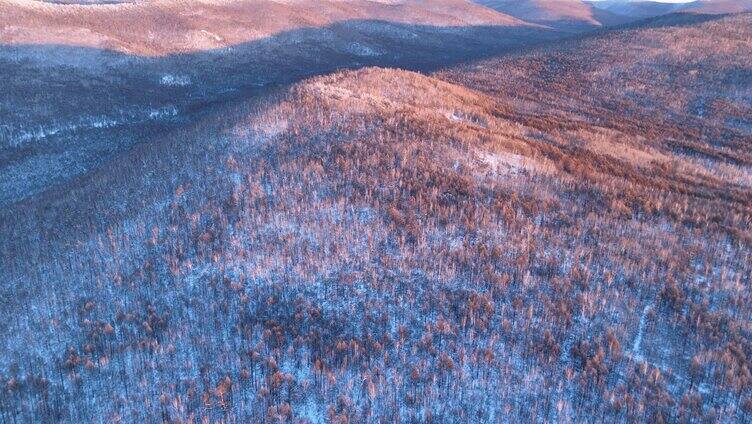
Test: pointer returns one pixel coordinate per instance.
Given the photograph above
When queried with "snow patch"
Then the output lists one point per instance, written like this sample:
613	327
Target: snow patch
505	163
636	345
211	35
165	112
16	137
171	80
456	116
363	50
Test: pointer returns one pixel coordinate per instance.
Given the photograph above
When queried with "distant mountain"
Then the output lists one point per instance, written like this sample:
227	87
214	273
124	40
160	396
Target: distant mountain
581	14
637	9
547	12
645	9
720	6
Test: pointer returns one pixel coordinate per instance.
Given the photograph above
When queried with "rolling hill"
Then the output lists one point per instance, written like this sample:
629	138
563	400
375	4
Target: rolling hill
78	74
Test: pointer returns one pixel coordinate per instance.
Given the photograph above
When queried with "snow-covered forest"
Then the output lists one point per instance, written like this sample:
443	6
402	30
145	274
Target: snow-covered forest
555	232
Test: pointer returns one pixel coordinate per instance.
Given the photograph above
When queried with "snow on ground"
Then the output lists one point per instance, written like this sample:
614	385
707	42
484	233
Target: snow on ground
363	50
212	35
505	163
172	80
636	345
16	137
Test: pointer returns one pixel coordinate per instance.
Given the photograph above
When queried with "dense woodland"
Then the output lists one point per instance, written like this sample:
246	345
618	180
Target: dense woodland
530	238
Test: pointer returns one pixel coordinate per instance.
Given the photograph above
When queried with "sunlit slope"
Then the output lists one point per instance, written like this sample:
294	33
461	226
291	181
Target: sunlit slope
682	80
167	26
